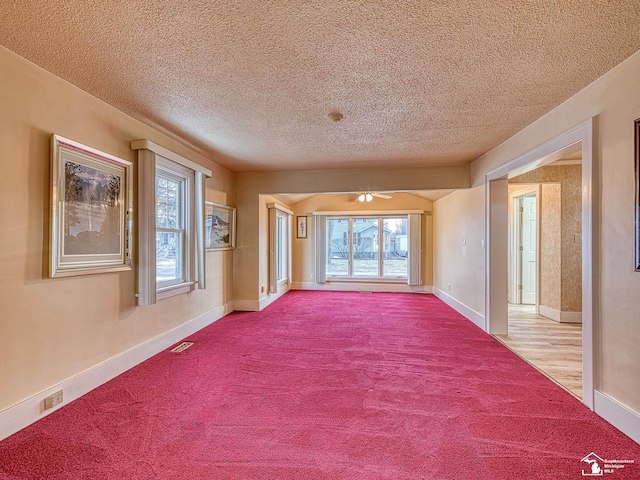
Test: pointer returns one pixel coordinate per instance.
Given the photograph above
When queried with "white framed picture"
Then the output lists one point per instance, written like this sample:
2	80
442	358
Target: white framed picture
90	223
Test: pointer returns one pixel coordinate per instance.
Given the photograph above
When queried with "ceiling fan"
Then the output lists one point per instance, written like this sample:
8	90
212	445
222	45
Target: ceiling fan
366	197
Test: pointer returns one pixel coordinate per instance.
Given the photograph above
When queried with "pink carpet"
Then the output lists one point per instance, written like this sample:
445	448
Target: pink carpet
325	385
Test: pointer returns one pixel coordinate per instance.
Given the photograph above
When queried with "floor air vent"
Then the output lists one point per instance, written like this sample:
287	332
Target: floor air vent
182	347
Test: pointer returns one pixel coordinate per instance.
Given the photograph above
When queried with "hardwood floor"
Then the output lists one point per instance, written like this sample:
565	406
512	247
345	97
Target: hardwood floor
553	348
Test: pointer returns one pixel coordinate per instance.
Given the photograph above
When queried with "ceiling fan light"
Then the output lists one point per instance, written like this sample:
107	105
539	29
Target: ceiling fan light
368	197
361	197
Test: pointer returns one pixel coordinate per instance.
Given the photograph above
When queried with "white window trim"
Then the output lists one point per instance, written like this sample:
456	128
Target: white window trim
168	154
276	210
283	251
185	176
149	156
173	290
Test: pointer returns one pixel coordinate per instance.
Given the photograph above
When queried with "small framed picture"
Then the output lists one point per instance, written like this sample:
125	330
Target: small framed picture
637	194
301	223
90	224
220	226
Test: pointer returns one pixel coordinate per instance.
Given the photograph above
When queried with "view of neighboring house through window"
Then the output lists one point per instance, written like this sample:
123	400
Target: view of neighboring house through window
367	247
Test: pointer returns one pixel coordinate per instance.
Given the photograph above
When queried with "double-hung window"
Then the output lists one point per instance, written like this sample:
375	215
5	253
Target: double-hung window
173	219
171	223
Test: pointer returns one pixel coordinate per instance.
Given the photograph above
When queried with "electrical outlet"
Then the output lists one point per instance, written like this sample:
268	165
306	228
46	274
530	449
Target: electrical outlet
262	289
449	288
53	400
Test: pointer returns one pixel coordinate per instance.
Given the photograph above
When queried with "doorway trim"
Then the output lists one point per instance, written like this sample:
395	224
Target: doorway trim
514	272
496	237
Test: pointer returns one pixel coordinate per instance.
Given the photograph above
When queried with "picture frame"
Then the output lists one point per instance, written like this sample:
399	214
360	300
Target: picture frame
301	226
637	193
220	226
90	223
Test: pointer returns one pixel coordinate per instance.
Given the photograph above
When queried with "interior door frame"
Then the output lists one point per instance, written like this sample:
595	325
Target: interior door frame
513	241
581	137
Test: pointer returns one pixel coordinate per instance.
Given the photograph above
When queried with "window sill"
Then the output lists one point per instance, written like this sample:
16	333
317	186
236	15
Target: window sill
365	280
173	290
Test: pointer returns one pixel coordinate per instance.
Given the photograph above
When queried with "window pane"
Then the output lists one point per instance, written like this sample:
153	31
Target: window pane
337	247
365	247
169	257
395	247
167	202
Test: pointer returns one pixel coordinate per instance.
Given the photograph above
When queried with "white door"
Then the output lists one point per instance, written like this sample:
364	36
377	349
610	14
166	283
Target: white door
529	255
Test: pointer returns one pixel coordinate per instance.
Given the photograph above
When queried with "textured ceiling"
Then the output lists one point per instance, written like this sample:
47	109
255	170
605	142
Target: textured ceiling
258	85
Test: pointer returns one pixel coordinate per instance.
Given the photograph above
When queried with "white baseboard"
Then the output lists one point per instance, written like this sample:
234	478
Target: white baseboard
361	287
621	417
32	409
461	308
560	316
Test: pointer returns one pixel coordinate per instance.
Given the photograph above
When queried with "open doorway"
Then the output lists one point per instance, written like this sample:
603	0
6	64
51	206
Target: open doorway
579	139
545	285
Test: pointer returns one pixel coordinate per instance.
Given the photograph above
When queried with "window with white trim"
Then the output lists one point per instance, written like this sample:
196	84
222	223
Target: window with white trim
171	223
279	246
173	213
384	247
365	256
282	259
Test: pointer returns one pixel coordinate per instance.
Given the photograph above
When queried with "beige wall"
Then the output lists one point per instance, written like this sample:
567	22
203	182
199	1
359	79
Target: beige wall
246	270
303	256
615	100
54	329
561	212
455	224
551	247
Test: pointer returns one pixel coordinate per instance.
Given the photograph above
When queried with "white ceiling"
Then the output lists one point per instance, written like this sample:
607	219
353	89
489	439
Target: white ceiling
257	85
